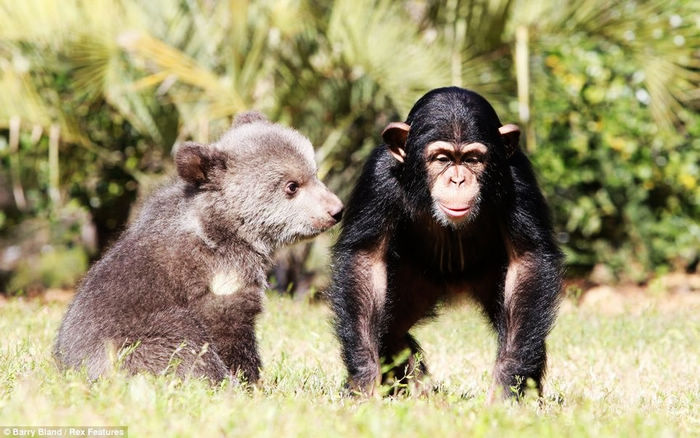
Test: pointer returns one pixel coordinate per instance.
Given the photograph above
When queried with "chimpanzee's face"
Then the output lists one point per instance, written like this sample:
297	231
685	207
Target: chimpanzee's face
453	151
454	172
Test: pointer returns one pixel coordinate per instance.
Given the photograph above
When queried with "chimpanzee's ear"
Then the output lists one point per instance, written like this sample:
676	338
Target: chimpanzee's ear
394	136
195	162
249	117
511	136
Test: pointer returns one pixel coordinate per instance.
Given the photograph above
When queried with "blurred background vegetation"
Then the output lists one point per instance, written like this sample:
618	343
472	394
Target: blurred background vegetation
94	94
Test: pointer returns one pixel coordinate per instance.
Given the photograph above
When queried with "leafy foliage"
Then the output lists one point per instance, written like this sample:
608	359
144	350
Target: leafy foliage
611	114
621	168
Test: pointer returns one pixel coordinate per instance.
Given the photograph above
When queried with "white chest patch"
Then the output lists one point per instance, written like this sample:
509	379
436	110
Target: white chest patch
225	283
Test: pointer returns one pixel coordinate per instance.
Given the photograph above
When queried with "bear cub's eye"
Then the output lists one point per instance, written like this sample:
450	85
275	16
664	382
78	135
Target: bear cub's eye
291	188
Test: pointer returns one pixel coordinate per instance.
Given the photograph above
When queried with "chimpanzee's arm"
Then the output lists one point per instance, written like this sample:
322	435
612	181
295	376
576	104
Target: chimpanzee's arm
358	301
359	283
532	285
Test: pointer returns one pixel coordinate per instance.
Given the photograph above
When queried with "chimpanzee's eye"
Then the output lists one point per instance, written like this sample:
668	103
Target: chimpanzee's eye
442	158
473	159
291	187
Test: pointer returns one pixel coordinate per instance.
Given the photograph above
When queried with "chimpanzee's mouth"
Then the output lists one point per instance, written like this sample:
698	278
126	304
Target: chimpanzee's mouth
454	212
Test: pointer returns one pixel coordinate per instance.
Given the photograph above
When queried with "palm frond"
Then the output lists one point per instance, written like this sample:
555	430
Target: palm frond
656	39
472	32
372	37
20	98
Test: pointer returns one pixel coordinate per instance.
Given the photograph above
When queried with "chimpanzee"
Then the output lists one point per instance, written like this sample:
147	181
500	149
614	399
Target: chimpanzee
448	206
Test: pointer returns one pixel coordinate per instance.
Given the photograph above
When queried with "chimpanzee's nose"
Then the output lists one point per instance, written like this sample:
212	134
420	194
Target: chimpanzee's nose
338	215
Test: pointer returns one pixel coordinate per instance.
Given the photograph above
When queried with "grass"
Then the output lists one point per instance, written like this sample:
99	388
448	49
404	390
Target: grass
632	371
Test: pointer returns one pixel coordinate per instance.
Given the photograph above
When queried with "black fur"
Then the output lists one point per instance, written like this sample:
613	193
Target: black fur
388	217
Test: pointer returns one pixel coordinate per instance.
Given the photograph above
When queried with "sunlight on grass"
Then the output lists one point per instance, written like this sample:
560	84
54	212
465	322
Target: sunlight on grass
630	374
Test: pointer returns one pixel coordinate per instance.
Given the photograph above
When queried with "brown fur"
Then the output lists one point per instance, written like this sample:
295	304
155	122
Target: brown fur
182	287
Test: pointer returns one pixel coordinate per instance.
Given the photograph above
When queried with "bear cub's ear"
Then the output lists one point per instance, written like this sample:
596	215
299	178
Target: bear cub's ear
196	163
249	117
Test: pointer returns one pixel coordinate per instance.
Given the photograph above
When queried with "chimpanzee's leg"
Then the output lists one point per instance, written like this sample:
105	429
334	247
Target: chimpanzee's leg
412	298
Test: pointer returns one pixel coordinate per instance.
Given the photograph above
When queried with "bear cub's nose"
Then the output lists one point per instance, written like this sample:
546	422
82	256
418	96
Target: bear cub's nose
338	214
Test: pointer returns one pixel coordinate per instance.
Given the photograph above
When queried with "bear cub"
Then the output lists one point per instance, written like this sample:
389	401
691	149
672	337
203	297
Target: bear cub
181	288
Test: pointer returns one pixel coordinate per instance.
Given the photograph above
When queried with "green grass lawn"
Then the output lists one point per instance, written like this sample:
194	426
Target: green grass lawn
630	371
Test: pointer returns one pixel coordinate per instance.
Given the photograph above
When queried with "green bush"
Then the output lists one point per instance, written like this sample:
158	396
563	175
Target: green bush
55	267
50	249
625	192
613	94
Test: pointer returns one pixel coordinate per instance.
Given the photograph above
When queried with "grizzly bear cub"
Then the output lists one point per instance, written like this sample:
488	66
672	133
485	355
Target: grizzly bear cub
182	287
